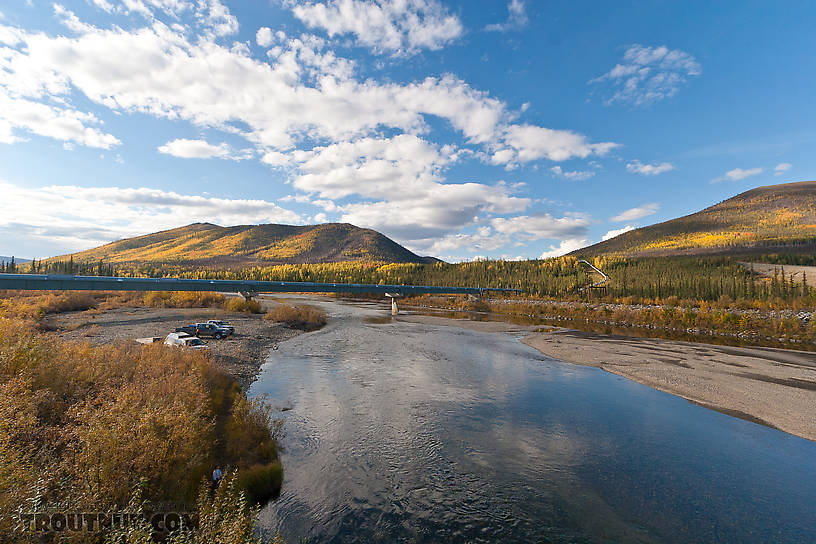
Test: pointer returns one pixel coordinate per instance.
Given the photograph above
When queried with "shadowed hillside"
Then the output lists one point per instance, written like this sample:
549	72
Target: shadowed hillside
208	244
766	219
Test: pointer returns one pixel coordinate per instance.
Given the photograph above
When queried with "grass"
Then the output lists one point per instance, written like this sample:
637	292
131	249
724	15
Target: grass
303	317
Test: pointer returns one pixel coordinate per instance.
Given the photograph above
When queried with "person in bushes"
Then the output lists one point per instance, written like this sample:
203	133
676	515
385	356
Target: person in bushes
217	476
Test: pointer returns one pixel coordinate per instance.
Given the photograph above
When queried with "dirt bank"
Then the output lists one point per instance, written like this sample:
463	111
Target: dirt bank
240	355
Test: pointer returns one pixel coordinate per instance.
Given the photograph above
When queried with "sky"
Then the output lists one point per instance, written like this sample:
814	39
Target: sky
461	129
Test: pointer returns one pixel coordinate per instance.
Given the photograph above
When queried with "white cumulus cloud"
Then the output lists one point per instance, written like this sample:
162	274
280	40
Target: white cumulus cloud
781	168
400	180
738	174
647	75
101	214
194	149
360	146
574	175
264	36
566	246
19	115
526	143
543	226
649	169
616	232
637	212
395	26
516	17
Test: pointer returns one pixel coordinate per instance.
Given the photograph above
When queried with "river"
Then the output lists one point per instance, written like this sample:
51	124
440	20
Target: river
405	432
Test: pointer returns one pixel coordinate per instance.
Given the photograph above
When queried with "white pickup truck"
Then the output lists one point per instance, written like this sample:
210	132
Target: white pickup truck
184	340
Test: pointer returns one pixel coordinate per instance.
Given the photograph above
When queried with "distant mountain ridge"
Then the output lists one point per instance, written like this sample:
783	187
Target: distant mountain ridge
206	244
767	219
18	260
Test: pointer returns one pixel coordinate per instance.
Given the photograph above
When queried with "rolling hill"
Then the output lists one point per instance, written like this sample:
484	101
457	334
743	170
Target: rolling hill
774	218
205	244
7	259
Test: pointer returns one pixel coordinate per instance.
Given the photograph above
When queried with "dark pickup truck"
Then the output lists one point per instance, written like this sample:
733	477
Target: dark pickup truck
206	330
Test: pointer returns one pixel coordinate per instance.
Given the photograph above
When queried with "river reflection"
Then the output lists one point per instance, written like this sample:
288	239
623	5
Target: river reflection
407	432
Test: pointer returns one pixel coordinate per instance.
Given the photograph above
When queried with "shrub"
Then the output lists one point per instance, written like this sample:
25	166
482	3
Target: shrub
68	302
477	306
224	517
672	302
724	302
307	318
120	299
249	442
36	304
261	482
249	433
240	304
183	299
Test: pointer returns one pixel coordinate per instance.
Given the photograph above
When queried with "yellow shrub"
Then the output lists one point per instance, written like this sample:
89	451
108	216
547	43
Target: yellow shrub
299	317
240	304
183	299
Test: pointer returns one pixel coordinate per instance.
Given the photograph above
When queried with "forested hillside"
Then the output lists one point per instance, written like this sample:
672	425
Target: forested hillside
775	218
205	244
699	278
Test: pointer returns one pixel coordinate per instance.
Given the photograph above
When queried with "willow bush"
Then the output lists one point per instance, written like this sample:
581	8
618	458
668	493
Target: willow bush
301	316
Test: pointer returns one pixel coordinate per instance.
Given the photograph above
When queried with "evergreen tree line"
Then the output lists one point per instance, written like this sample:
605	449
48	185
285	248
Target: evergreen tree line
68	267
700	278
9	267
803	259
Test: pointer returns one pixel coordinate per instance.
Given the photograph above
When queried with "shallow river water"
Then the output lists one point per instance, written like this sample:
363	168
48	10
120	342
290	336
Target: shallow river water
403	432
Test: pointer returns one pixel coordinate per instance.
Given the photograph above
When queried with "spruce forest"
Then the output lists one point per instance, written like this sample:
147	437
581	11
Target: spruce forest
688	278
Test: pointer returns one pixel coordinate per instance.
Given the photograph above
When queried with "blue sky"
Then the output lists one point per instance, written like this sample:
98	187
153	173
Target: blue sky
460	129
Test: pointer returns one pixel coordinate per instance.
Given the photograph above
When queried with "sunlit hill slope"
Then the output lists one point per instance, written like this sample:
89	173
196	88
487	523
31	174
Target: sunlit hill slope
775	218
243	245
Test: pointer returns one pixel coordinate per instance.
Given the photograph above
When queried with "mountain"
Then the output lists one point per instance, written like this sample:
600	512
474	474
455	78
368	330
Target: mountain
247	245
18	260
763	220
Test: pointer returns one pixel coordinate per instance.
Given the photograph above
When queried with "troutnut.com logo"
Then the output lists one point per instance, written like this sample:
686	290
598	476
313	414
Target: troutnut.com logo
58	522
